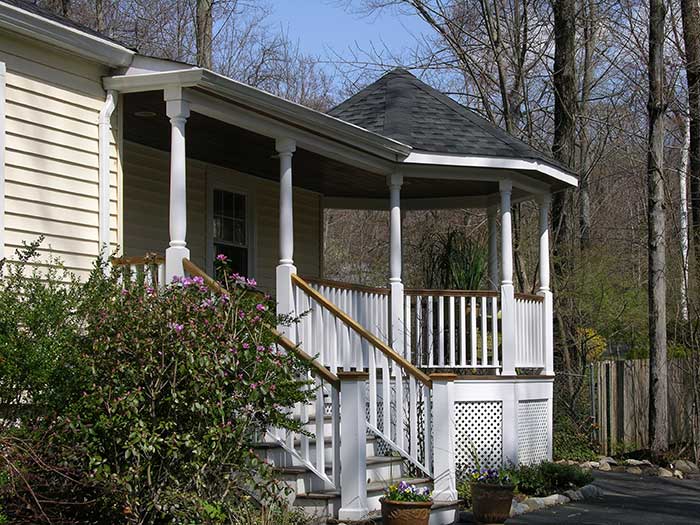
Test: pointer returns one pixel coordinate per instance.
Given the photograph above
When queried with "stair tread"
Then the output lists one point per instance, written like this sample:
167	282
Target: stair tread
375	486
312	441
372	461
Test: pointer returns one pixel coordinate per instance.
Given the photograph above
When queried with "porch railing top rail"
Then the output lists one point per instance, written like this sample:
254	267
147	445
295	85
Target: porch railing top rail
346	286
153	258
529	297
361	331
451	293
286	343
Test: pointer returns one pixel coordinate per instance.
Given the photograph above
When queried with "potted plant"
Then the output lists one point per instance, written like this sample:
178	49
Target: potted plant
492	495
406	504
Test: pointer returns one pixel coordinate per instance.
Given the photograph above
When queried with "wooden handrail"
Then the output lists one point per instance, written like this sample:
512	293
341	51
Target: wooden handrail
286	343
346	286
450	293
529	297
359	330
143	260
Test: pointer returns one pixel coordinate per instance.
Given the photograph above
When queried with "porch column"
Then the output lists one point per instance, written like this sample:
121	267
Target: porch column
507	290
178	110
285	297
491	214
544	202
397	307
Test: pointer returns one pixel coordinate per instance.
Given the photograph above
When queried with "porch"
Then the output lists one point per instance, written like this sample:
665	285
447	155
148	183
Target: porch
433	375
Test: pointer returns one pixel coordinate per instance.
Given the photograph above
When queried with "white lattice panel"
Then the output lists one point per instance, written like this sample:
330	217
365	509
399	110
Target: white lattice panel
533	431
479	430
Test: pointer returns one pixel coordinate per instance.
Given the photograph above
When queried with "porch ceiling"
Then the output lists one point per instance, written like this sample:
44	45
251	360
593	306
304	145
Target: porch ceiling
214	141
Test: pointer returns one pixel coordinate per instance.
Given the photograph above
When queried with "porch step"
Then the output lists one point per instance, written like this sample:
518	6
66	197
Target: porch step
372	489
372	462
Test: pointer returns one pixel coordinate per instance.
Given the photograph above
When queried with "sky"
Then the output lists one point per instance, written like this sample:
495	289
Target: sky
324	26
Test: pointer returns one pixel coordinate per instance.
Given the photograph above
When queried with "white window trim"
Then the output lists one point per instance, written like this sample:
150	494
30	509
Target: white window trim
237	183
2	159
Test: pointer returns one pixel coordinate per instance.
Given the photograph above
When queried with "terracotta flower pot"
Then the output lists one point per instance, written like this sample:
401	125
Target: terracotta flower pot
491	503
405	512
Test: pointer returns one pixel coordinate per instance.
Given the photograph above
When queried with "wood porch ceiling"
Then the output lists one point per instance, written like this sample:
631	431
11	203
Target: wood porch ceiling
216	142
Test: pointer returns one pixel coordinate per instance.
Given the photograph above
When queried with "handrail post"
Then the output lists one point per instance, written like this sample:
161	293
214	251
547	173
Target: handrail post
443	420
396	307
508	318
353	452
545	291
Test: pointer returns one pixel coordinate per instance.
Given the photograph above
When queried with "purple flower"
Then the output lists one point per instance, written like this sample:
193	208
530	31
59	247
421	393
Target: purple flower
252	282
177	328
260	307
221	258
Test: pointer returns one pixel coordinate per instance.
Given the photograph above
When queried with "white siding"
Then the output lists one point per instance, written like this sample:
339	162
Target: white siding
146	212
52	106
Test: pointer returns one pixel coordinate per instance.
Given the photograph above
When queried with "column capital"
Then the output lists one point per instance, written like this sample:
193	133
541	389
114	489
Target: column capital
505	186
285	146
394	181
544	199
177	104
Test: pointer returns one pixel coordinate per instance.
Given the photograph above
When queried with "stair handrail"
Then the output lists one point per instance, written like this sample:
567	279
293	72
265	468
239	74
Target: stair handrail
286	343
359	330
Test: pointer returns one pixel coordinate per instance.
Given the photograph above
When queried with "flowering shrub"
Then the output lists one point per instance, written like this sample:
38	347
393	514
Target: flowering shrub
406	492
175	387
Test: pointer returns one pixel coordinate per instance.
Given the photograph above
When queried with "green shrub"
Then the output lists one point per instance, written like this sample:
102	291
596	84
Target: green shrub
571	443
549	478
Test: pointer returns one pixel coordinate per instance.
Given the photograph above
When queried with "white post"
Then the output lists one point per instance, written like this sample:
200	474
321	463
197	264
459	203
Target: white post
104	126
491	215
397	298
548	308
353	452
507	290
285	295
443	418
178	109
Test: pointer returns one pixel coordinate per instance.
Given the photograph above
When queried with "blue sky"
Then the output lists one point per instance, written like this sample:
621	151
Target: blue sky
322	25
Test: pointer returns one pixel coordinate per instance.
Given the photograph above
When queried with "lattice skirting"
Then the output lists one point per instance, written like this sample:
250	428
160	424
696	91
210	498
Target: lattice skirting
478	432
533	431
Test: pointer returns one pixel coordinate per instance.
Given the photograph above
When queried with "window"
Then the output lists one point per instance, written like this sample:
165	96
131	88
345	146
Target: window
230	229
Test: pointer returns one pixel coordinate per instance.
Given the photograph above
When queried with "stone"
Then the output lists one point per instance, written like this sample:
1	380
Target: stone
678	474
534	503
634	470
605	467
638	462
608	460
555	499
517	508
574	495
591	491
686	467
589	464
664	473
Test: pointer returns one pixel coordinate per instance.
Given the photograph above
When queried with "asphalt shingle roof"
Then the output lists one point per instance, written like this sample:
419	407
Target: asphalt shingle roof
402	107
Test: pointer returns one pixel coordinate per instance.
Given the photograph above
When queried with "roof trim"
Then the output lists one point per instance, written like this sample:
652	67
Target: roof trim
71	39
470	161
262	101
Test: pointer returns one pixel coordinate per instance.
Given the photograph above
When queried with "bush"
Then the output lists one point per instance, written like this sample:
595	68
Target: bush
171	390
571	443
549	478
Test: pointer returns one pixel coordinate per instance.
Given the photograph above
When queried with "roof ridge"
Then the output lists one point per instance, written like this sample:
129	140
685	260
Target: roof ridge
367	90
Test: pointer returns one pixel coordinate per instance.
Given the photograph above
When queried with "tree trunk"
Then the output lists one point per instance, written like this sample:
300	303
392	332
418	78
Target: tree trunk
690	12
658	365
204	33
683	215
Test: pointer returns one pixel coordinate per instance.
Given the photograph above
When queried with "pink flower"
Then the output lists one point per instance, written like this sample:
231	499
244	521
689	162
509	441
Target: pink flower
221	258
177	328
252	282
260	307
246	346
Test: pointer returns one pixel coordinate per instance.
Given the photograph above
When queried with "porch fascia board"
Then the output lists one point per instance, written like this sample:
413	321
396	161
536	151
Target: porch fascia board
272	116
501	163
437	203
70	39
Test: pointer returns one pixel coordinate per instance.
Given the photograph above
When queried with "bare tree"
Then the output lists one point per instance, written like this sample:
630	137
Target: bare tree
204	20
658	365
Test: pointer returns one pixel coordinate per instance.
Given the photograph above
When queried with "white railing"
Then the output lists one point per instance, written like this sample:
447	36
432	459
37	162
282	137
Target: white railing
453	329
529	340
149	269
398	394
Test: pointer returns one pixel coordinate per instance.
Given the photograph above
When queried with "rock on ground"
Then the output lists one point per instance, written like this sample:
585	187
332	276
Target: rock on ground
591	491
686	467
634	470
678	474
664	473
605	467
574	495
517	508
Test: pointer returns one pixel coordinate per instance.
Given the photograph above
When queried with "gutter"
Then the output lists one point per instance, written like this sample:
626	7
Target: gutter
104	133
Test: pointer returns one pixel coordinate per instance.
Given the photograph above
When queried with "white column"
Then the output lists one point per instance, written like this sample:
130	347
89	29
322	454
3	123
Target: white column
444	470
353	451
104	135
178	110
548	308
285	295
397	298
492	215
507	290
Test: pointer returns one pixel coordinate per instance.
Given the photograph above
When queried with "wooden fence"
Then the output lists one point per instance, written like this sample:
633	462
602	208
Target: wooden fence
620	403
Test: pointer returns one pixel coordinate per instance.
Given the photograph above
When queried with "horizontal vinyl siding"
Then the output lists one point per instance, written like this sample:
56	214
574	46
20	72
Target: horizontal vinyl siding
52	106
146	187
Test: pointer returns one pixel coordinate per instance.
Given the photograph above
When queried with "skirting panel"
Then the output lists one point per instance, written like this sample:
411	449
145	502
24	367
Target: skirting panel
533	431
478	432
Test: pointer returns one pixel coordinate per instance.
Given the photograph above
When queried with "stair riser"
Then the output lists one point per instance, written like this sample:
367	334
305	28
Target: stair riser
279	456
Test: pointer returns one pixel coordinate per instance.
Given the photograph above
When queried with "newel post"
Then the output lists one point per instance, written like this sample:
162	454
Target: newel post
544	202
507	289
285	268
443	417
397	294
178	110
353	452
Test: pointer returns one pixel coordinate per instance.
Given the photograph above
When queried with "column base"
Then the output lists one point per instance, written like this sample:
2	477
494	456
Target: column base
398	324
353	514
173	262
285	295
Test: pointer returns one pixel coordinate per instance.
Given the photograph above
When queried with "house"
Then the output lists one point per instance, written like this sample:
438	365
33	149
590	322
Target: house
104	149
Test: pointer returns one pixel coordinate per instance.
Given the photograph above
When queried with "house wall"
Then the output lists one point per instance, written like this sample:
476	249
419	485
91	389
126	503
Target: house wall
52	106
146	194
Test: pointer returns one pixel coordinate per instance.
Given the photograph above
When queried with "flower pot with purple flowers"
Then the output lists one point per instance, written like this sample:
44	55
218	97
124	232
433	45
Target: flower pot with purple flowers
492	495
406	504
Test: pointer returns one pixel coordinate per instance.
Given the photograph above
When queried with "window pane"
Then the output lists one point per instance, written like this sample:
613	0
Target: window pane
227	210
218	202
238	257
218	227
239	208
239	233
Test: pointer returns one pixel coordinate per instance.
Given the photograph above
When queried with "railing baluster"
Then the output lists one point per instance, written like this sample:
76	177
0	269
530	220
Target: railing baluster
427	430
494	330
386	395
399	404
462	331
408	341
372	364
472	318
335	435
430	339
441	330
413	415
320	415
452	328
484	335
420	338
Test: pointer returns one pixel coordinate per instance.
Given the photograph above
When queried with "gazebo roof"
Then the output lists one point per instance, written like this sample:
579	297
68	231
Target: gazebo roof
402	107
